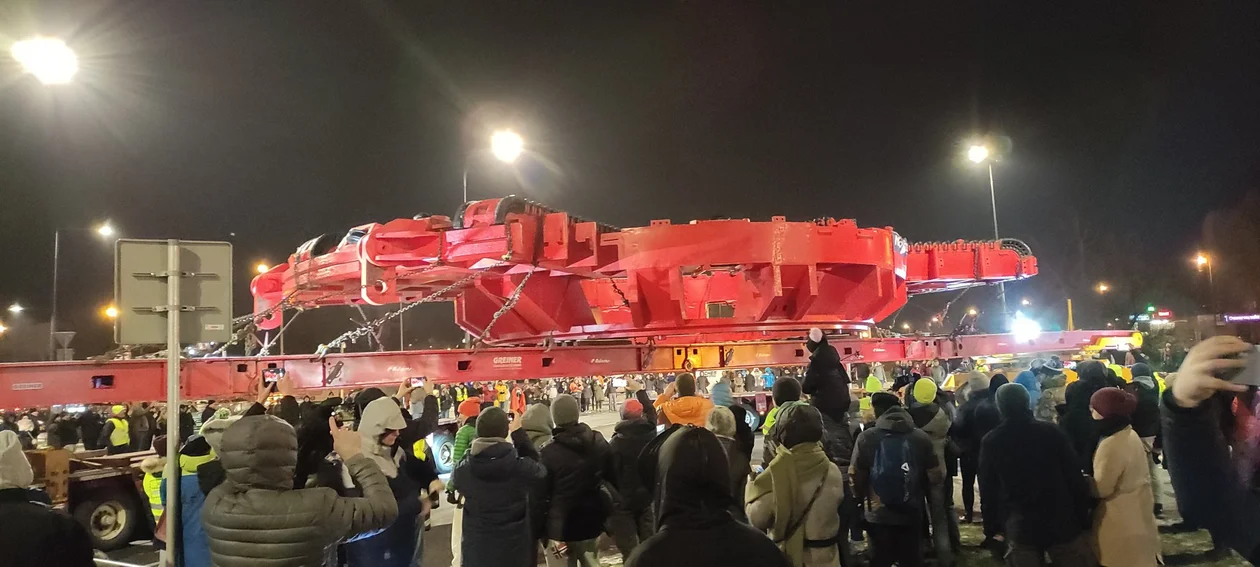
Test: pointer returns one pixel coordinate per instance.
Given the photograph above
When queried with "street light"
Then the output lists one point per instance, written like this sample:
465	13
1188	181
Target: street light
47	58
103	230
1202	260
973	312
905	326
1103	287
262	267
1025	302
3	328
980	153
505	146
110	312
16	309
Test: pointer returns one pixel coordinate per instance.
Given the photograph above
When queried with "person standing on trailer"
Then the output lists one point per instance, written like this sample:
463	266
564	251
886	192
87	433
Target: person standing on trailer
116	435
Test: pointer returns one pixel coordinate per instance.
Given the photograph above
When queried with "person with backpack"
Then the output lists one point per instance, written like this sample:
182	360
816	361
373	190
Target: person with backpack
797	498
1030	467
631	520
893	464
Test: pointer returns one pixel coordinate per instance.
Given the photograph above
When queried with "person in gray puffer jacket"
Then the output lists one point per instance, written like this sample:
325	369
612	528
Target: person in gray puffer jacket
256	517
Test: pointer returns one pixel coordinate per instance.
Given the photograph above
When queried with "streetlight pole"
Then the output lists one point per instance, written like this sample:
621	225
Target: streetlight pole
52	320
996	236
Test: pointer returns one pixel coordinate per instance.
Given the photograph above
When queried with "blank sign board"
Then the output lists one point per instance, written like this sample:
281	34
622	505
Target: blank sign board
140	291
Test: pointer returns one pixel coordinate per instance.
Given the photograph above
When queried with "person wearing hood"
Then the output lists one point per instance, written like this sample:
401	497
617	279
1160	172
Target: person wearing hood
694	521
240	516
634	389
115	437
288	410
892	463
826	381
577	461
720	393
31	532
537	424
1030	467
721	422
976	382
1124	526
1028	379
495	480
931	419
685	409
380	426
631	520
1146	423
1077	422
976	418
798	494
786	390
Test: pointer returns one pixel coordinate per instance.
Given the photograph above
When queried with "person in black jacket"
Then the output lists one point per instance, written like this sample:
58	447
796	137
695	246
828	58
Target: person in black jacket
1146	422
31	532
631	520
696	528
495	480
977	417
825	381
1077	421
1031	469
1212	487
577	460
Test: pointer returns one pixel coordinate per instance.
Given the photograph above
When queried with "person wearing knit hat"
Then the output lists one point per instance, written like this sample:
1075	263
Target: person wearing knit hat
1124	526
786	390
883	401
492	423
825	380
116	435
685	409
631	520
931	419
1034	487
577	507
924	391
721	421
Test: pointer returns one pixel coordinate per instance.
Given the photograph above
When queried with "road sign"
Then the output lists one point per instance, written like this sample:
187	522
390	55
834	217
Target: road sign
63	338
140	291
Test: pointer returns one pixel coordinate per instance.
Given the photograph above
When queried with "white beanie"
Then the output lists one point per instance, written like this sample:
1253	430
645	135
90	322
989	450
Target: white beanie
15	470
816	335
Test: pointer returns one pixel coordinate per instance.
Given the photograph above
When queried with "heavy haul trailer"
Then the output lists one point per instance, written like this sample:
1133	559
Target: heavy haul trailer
548	294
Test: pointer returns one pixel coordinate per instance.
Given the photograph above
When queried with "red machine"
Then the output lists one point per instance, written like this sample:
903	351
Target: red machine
661	298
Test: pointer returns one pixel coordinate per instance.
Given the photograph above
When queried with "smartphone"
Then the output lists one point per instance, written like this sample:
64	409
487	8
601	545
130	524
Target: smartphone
1250	374
417	382
272	375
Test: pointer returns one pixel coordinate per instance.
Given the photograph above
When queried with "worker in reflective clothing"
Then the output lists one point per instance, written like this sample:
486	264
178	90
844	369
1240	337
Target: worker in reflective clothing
116	435
152	467
461	392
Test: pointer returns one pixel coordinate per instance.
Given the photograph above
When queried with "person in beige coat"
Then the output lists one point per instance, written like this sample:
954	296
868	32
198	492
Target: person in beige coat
1124	524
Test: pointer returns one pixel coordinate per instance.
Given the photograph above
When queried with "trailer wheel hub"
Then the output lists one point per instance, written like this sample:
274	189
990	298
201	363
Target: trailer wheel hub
108	520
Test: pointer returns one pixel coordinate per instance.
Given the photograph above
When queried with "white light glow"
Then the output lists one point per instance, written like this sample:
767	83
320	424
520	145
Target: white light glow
1024	329
105	230
977	153
506	145
16	309
47	58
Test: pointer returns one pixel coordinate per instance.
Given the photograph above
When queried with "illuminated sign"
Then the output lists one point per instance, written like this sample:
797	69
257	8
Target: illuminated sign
1242	317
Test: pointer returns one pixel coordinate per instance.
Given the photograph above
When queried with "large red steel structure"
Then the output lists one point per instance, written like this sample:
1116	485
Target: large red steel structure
702	281
661	298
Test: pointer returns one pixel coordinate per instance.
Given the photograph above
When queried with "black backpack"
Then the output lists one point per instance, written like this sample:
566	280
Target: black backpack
896	474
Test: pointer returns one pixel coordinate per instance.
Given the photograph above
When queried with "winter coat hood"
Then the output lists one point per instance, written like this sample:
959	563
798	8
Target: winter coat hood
693	480
380	415
537	424
686	410
997	382
578	437
634	428
15	470
260	451
895	419
1028	379
720	393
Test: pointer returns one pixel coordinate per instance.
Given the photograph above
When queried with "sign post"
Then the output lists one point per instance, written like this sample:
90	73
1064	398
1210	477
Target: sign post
152	300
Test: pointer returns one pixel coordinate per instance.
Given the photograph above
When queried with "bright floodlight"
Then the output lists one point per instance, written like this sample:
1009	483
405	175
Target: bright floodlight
105	230
3	328
1025	302
1024	329
111	312
506	145
48	58
1103	288
16	309
262	268
973	312
977	153
1201	260
905	326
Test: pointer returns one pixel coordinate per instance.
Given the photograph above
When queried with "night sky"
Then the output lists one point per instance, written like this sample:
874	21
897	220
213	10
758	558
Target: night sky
266	123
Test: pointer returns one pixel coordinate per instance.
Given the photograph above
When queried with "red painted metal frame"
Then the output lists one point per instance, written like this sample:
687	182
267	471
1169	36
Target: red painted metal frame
713	280
39	384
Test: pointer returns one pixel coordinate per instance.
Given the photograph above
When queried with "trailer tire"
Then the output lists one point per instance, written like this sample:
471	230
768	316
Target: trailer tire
110	520
443	451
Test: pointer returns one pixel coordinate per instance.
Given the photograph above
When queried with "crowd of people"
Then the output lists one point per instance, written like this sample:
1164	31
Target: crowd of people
676	483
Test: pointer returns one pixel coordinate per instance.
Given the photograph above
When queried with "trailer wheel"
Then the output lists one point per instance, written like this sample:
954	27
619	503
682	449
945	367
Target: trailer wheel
443	451
750	416
110	520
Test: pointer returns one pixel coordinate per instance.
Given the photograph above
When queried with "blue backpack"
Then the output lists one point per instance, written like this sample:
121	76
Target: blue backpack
896	474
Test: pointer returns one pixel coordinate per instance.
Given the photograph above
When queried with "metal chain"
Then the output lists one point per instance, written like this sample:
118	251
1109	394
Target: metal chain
624	302
370	327
507	306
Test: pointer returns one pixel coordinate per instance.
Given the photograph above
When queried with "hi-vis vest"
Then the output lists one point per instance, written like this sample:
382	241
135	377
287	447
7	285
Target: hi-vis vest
121	434
461	393
153	489
188	464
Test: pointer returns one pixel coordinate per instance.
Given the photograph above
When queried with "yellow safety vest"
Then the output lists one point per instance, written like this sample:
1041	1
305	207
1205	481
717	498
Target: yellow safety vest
461	393
121	434
188	464
153	489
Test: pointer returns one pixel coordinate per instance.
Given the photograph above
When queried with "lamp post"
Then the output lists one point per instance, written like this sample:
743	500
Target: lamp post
104	230
979	153
505	145
1202	260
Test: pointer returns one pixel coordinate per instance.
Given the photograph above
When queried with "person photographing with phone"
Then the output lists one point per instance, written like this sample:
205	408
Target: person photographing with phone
1216	489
